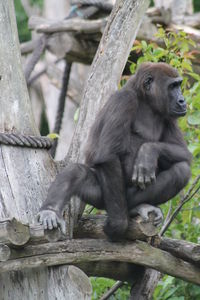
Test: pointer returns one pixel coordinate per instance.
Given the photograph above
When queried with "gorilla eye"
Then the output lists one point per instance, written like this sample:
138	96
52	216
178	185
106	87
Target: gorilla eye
175	84
148	82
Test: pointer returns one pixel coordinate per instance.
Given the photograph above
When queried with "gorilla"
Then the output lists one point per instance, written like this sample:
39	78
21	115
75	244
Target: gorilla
135	159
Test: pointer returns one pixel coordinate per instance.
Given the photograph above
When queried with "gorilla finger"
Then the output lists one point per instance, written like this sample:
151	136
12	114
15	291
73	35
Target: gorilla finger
147	180
141	180
144	215
50	225
45	224
153	177
157	222
135	175
55	223
141	185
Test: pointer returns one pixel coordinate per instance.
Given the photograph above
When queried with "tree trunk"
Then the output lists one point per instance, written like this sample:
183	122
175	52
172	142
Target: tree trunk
25	176
105	72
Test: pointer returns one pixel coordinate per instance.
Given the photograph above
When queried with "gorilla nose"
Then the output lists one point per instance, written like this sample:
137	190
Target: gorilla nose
181	103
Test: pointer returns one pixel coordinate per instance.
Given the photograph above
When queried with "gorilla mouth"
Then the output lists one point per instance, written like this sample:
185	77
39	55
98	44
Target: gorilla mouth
180	112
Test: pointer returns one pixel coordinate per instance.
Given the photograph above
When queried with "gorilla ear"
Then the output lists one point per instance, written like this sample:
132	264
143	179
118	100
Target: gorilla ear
147	83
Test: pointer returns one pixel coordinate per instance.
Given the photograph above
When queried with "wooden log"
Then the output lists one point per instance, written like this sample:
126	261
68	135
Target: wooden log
180	248
192	20
14	232
72	25
73	48
92	227
4	252
90	250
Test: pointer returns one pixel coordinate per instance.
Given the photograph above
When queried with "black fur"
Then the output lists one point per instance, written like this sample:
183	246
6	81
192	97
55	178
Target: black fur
135	154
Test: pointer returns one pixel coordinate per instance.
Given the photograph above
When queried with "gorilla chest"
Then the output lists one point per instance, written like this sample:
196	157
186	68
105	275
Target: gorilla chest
149	129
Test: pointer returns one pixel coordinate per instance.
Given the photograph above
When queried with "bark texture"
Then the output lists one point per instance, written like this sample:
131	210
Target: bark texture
25	176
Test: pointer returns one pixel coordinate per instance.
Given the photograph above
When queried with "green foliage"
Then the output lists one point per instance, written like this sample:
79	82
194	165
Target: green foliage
22	19
175	289
176	52
22	22
101	285
196	4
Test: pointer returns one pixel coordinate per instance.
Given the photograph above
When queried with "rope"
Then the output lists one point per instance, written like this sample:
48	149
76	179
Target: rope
20	140
61	105
35	56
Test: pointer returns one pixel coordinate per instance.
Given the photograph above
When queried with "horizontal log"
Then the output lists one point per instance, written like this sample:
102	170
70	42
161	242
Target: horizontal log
72	25
92	227
90	250
4	252
180	248
16	234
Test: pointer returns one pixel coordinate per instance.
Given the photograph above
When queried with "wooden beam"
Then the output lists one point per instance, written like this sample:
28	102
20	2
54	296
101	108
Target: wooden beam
90	250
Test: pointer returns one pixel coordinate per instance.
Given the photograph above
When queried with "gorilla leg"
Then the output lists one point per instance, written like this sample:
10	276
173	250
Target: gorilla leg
113	192
75	180
168	184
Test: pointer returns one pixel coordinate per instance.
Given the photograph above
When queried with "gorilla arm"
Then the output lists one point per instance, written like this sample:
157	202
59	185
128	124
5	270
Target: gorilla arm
171	150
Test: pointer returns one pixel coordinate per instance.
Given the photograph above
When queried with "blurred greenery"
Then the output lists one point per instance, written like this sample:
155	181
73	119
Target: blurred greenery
196	4
22	19
101	285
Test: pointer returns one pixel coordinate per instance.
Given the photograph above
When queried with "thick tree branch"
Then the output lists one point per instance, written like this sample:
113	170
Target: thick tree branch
90	250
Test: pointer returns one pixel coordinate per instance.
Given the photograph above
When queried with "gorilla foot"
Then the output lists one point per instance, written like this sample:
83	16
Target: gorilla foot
50	220
144	210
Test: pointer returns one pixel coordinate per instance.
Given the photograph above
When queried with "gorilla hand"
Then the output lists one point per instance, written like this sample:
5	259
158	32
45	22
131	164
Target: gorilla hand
144	209
50	220
144	171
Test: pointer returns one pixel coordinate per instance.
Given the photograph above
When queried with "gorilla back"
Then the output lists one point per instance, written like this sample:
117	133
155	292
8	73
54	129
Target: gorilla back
136	157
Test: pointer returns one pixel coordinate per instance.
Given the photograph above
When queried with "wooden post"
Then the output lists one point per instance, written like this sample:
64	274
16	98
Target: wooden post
25	176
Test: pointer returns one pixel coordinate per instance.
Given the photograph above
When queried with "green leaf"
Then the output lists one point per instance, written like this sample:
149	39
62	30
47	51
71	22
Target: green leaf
194	119
195	76
144	45
137	47
132	68
186	65
53	136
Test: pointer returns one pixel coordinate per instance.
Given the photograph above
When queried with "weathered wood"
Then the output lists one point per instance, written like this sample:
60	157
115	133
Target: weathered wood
4	252
14	232
144	287
92	227
73	48
90	250
76	25
25	173
180	248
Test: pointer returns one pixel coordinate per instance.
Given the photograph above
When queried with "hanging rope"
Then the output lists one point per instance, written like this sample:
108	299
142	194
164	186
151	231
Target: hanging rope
29	141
